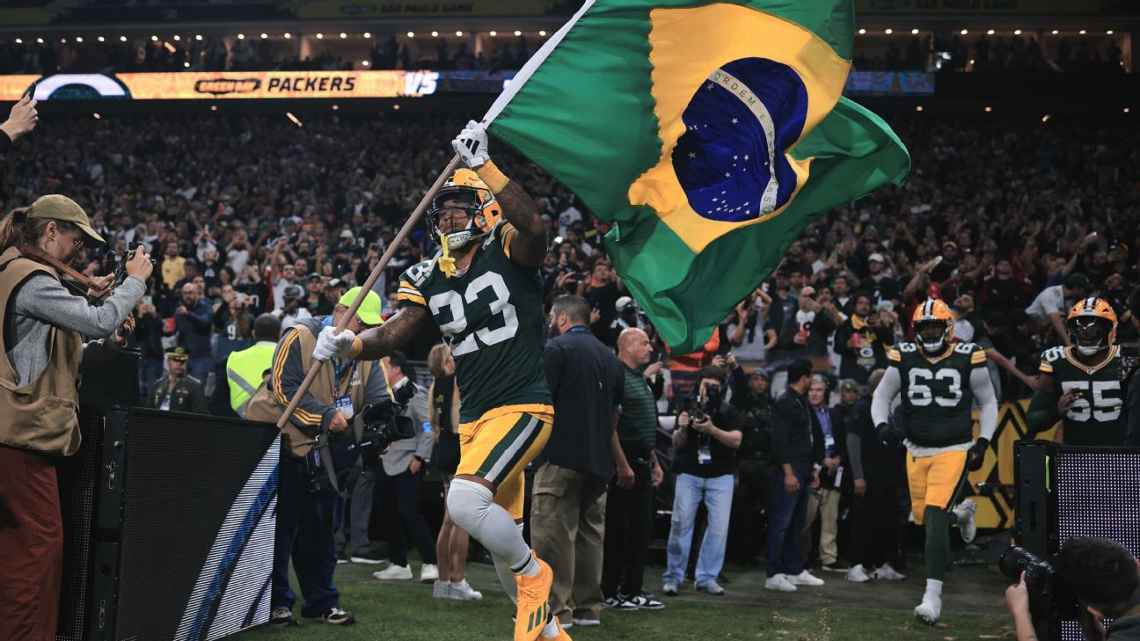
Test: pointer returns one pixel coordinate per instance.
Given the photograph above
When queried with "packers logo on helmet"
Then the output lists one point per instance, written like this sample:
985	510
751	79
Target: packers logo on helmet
1092	325
466	192
933	325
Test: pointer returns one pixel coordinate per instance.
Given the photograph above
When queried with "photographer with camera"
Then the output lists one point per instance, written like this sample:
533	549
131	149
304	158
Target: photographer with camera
405	462
706	435
1101	577
307	492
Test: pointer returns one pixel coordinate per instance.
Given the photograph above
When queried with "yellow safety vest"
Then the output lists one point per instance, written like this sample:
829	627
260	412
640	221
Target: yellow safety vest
244	372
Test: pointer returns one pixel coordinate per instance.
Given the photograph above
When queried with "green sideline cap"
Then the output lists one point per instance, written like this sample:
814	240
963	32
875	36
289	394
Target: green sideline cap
369	310
58	207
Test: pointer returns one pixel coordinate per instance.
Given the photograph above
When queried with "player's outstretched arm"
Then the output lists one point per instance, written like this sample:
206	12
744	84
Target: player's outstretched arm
885	392
983	390
528	245
379	342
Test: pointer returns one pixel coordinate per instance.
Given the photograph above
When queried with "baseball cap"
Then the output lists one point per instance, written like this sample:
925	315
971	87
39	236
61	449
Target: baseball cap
876	258
369	310
178	354
292	291
848	385
622	303
60	207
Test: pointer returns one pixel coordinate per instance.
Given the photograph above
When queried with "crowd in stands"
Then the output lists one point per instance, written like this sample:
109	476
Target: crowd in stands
947	51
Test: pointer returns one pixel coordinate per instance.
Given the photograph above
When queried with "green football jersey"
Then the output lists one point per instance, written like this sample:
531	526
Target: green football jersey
936	395
1096	418
492	316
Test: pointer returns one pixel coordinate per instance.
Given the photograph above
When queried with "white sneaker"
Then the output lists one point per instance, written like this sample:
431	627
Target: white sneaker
441	590
394	573
462	591
857	574
429	572
805	578
887	573
929	610
779	583
967	511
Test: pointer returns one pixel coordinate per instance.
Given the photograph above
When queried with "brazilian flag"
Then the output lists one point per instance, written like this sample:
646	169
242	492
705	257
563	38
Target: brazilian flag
708	133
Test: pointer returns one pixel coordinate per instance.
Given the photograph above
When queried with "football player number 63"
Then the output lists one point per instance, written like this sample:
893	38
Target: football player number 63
458	324
920	393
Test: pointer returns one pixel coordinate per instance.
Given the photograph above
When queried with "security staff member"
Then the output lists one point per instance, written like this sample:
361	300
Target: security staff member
43	331
306	504
177	391
246	369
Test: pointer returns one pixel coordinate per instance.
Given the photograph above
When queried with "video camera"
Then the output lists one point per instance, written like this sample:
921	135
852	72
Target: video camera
1048	592
384	424
121	266
699	410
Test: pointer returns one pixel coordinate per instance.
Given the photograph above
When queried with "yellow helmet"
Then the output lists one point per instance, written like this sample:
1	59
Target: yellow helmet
466	191
933	325
1092	325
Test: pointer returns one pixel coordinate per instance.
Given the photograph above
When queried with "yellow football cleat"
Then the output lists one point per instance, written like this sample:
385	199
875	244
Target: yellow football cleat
533	602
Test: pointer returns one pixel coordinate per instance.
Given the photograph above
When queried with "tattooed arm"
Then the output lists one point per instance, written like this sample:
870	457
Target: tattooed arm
379	342
528	245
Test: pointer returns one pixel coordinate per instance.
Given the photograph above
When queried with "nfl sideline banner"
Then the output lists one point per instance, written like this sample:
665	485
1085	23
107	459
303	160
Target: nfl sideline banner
309	9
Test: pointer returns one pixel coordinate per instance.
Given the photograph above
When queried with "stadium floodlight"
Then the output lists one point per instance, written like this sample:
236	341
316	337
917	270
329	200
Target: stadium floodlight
198	36
518	33
990	32
177	37
989	109
365	63
40	41
1109	32
241	36
494	33
343	35
1055	32
335	107
862	32
458	34
435	34
396	106
63	41
97	116
294	119
19	41
367	34
122	38
888	31
264	36
1126	110
288	36
964	32
918	108
320	36
77	39
1083	31
542	33
213	107
914	32
1045	118
1017	32
411	34
186	65
101	39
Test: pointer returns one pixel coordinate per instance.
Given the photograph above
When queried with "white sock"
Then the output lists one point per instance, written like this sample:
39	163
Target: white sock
472	508
550	631
933	589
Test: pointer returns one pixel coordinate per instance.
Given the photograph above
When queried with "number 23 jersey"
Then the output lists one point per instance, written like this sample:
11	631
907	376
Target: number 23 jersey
492	315
1096	418
936	395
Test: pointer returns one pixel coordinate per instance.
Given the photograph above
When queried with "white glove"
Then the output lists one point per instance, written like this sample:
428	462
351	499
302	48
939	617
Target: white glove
333	345
471	144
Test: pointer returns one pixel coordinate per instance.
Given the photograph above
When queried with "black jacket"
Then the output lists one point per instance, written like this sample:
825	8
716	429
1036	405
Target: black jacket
1126	629
586	383
686	460
796	437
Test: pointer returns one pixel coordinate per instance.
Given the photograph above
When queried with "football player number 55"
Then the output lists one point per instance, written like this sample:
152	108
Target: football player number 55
458	324
1104	407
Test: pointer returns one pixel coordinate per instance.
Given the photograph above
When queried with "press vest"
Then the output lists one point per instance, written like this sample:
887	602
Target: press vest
42	415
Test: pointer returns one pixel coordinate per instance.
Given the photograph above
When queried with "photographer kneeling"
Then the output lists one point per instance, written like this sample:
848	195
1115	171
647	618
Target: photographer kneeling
307	494
44	327
1103	577
705	439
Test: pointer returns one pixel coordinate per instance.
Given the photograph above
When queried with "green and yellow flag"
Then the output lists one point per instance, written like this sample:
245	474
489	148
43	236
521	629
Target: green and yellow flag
709	134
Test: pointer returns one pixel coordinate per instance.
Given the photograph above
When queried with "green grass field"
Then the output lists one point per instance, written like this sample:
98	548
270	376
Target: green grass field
837	611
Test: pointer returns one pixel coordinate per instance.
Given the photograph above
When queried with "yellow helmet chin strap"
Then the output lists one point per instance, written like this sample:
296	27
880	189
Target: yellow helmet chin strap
446	262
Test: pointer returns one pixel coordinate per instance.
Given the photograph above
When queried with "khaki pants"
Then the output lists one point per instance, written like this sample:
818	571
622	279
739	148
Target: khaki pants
567	530
823	504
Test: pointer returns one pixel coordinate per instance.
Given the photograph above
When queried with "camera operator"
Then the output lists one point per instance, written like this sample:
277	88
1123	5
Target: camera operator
405	462
1105	580
307	495
43	330
705	439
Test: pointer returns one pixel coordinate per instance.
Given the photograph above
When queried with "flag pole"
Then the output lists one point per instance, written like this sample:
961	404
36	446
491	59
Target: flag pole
300	443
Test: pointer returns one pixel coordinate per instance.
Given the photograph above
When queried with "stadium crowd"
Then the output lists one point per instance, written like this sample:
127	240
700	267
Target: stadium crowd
1008	222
